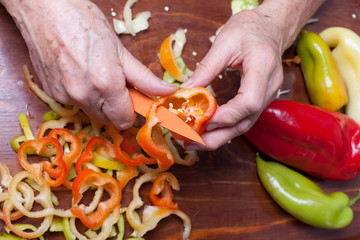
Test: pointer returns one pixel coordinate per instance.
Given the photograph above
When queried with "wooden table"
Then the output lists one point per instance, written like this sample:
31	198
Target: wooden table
221	194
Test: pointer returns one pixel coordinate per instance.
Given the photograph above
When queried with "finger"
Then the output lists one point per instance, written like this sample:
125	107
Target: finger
118	107
214	62
220	136
142	78
250	99
113	97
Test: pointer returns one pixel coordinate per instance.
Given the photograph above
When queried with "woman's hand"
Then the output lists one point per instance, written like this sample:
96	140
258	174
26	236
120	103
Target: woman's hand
80	60
253	41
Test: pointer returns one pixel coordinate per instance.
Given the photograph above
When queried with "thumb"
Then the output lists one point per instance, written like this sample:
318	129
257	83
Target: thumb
142	78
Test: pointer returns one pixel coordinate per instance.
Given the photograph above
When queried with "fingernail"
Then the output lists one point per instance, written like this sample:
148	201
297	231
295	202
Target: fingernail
168	84
187	83
211	126
192	147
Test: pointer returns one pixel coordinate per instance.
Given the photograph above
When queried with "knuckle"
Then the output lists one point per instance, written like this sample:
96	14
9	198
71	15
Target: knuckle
253	105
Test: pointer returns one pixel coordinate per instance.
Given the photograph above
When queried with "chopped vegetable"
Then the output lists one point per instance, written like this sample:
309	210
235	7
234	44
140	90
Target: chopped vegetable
57	107
170	57
151	214
90	177
240	5
129	25
53	173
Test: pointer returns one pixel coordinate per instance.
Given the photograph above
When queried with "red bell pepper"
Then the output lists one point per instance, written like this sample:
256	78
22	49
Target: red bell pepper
110	184
319	142
55	173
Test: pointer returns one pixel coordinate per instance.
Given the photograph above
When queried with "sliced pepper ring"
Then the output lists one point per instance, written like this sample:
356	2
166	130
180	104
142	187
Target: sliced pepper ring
162	185
37	169
110	184
151	214
134	160
90	148
44	199
24	189
151	139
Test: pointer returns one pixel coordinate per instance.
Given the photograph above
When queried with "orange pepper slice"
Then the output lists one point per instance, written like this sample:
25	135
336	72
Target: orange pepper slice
167	60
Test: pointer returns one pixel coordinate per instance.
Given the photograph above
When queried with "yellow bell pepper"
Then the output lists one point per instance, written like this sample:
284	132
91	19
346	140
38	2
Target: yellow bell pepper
323	80
345	46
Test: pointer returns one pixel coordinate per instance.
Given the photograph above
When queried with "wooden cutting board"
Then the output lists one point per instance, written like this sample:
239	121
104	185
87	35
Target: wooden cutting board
221	194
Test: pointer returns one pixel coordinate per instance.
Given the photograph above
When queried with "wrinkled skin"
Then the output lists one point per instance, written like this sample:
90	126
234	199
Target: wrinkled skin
253	41
88	66
85	64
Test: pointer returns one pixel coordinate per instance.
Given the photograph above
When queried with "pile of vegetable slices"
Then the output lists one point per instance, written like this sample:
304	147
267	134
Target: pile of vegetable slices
74	153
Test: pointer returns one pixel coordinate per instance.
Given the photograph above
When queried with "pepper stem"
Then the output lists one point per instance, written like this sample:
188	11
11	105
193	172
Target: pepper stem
354	200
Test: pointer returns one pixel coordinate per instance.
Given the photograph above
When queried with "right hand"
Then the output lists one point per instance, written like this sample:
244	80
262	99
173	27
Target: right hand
80	60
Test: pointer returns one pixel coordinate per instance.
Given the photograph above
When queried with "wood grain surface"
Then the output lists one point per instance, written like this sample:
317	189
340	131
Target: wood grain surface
221	194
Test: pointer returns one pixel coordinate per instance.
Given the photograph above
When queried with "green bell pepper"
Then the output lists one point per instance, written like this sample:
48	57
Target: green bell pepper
303	199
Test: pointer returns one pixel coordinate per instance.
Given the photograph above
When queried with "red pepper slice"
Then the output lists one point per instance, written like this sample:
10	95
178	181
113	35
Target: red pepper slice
129	143
152	141
122	156
93	144
75	149
57	170
126	175
162	185
110	184
194	105
75	145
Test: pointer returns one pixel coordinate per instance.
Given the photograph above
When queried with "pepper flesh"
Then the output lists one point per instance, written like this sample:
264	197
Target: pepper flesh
324	83
302	198
317	141
104	208
345	45
194	105
40	146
